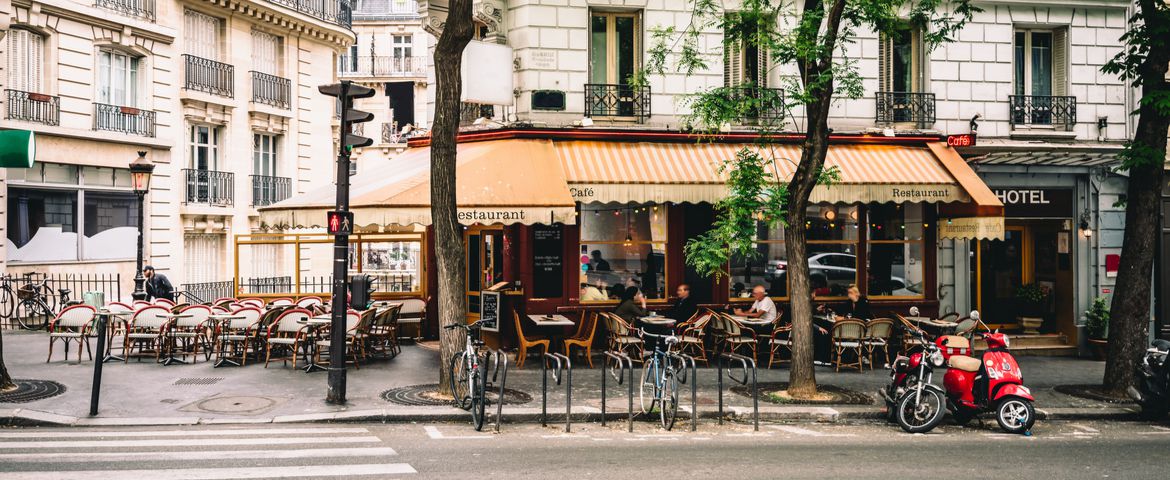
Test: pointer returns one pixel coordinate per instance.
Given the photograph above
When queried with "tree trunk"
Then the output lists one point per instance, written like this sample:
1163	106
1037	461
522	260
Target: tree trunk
5	379
1130	313
452	303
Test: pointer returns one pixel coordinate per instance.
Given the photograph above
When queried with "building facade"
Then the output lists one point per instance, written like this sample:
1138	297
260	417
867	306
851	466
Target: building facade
222	97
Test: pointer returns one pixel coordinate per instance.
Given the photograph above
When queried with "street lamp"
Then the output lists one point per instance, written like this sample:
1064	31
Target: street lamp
140	171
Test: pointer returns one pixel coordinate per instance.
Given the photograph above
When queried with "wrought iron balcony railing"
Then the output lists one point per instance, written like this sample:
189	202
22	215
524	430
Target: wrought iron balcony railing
269	190
133	8
209	187
470	112
271	90
113	118
216	78
615	100
905	107
390	133
337	12
760	105
381	66
33	107
385	10
1060	113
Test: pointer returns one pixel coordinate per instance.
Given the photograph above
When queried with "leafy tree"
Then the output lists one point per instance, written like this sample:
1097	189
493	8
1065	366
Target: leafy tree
457	32
1143	63
812	36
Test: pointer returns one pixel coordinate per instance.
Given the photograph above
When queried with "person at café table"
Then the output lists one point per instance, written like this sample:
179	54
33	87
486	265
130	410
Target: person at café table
822	341
685	307
632	306
856	306
763	308
589	293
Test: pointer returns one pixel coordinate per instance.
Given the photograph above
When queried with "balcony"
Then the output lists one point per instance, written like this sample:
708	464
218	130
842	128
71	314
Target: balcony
33	107
905	107
271	90
209	187
269	190
208	76
130	120
761	106
1045	111
375	10
337	12
390	134
617	101
143	9
381	66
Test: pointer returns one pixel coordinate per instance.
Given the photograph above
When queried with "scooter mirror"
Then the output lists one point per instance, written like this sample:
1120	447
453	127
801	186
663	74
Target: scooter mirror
975	315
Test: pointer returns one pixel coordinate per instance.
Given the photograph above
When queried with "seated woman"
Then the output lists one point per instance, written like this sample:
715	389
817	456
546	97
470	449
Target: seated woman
632	306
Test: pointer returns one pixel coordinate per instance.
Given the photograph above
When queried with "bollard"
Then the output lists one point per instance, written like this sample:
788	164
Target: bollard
96	387
743	362
623	363
563	364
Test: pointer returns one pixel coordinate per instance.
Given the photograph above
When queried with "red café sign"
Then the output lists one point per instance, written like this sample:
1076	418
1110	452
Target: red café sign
964	140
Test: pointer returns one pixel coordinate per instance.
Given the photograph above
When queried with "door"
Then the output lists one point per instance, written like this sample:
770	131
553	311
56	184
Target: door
999	267
266	53
485	263
201	34
401	103
613	60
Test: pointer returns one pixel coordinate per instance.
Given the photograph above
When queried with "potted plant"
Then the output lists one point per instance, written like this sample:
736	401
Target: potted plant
1032	300
1097	326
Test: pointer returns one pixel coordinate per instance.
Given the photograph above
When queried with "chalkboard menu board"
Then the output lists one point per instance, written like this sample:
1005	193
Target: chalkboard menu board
489	310
548	264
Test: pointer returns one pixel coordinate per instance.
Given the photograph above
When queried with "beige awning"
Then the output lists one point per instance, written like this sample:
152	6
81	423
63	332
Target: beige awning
498	182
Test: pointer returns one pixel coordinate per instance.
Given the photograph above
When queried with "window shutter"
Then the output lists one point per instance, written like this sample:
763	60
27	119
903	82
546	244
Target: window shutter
265	52
201	33
36	63
885	59
1060	62
26	58
762	61
732	65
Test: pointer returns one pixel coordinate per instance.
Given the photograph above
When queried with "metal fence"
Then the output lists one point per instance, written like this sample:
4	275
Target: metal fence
205	75
109	284
205	292
263	285
134	8
905	107
209	187
268	190
381	66
616	100
271	90
338	12
113	118
1043	110
761	106
33	107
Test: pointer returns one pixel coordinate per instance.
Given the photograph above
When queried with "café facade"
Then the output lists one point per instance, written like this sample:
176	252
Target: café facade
547	210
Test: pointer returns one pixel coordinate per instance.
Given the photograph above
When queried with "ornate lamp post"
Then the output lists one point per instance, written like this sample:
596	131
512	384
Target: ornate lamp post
140	171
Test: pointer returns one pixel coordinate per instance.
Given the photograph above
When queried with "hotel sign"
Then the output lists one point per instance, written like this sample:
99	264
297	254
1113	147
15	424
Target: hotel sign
1024	202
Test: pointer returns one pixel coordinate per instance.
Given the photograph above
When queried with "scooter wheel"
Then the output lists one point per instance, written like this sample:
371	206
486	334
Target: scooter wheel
919	415
1015	415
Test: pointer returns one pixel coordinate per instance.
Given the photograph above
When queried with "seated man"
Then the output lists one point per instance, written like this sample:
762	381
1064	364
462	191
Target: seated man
685	307
763	308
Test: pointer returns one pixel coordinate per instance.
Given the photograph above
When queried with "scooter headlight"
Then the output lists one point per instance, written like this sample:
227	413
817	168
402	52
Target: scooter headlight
1007	342
936	358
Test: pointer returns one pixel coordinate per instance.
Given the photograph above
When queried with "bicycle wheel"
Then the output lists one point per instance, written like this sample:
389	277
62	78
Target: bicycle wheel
457	376
669	397
649	382
33	314
49	297
478	397
7	303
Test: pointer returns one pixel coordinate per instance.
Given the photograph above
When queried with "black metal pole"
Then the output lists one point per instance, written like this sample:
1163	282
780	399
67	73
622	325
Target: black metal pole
336	393
96	388
139	280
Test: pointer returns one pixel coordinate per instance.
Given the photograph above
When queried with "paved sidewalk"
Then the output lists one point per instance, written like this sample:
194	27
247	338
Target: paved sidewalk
145	393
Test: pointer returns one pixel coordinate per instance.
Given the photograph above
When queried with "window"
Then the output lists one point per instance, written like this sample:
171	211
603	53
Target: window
264	155
204	147
42	225
768	268
201	34
1040	62
396	262
744	61
895	250
202	257
111	225
900	61
402	46
832	248
266	52
26	61
624	246
614	46
349	62
117	78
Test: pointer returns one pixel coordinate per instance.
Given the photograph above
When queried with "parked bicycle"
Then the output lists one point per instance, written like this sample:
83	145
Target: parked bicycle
35	304
661	377
468	375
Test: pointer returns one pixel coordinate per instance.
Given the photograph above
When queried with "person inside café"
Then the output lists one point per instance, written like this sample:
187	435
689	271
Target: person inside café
855	306
685	307
632	306
598	264
763	308
589	293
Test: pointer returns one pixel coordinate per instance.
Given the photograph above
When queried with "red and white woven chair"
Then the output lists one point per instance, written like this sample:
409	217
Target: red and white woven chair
72	325
147	332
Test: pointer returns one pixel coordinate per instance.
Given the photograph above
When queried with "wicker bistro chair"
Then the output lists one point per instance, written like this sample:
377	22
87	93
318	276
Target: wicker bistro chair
286	332
356	324
237	337
147	331
223	301
382	338
282	301
255	302
781	338
877	336
72	324
620	337
736	337
524	343
691	335
414	311
119	324
141	304
910	334
848	335
188	334
308	302
584	337
162	302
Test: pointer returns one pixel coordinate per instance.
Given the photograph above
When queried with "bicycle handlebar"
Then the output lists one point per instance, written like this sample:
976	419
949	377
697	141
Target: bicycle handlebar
468	327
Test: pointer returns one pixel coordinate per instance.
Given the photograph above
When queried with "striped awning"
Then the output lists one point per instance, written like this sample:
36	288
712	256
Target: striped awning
690	172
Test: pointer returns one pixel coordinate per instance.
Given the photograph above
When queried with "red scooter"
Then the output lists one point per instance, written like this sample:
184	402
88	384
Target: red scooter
990	383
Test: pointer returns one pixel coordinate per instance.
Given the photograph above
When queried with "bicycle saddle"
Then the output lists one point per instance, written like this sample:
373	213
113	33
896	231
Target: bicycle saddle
671	340
64	291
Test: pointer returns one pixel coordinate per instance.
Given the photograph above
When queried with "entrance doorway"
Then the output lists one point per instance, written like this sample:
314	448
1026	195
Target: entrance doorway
485	263
1038	252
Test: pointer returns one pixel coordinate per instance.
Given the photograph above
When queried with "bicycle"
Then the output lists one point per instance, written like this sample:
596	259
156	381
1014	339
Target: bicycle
468	375
660	373
36	305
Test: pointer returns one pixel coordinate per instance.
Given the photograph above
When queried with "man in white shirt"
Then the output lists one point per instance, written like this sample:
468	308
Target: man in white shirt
763	308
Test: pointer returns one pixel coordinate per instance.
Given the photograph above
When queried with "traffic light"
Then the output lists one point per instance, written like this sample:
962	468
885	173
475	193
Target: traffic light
18	148
339	223
361	289
345	92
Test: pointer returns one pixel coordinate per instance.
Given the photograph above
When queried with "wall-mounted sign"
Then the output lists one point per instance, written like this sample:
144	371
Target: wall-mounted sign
964	140
548	265
1112	264
489	310
1023	202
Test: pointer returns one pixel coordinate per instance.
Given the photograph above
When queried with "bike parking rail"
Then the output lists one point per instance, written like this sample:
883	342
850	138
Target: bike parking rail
564	365
688	366
743	362
622	363
500	360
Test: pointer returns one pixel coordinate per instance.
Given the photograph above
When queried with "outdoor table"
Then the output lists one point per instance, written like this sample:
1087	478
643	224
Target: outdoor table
111	319
941	327
554	325
314	325
658	321
751	322
218	321
170	338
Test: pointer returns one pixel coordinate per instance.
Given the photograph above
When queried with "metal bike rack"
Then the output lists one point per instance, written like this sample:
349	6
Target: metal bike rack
743	362
500	360
688	365
563	364
624	363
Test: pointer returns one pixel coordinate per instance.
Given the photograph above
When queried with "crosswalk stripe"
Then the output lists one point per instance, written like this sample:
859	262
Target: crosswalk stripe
186	442
197	455
230	473
180	433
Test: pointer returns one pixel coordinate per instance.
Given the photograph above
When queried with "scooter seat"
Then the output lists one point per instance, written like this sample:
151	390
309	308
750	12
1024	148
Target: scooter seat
964	363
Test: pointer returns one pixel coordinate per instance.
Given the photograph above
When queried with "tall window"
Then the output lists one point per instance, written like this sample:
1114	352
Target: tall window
768	268
266	52
117	78
900	60
623	246
26	61
204	147
744	61
1041	62
203	255
833	240
201	34
402	46
614	47
264	154
895	250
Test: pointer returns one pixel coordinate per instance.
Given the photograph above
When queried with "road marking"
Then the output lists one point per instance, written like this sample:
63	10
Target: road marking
1155	433
181	433
230	473
435	434
188	442
1084	428
808	433
197	455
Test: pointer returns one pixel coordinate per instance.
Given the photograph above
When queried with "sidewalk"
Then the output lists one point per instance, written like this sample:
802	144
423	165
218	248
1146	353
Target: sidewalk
145	393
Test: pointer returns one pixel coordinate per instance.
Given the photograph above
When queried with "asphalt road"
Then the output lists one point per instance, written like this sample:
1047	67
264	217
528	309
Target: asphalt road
1057	450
